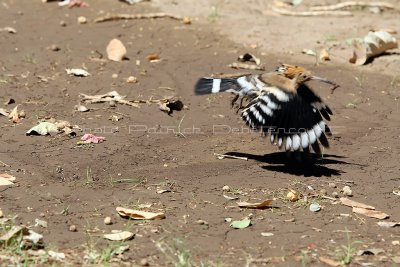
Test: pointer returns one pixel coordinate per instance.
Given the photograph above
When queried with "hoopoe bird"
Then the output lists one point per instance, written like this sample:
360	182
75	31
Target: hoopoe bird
279	104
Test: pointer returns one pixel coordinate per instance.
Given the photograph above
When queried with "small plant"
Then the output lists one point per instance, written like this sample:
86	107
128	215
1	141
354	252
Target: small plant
347	251
359	80
135	181
89	177
178	129
305	259
176	252
214	14
30	59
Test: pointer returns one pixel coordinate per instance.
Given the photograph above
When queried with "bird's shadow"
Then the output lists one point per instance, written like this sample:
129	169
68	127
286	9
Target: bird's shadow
305	164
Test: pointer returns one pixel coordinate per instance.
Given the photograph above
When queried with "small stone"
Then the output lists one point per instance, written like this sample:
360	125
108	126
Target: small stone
322	192
226	188
131	79
202	222
186	20
292	196
332	185
335	194
347	191
63	23
114	76
267	234
42	214
314	207
112	104
82	20
107	221
73	228
144	262
54	48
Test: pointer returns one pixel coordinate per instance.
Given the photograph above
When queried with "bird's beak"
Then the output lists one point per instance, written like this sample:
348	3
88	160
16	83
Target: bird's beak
335	85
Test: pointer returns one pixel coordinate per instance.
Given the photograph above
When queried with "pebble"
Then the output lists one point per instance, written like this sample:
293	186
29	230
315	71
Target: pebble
267	234
144	262
332	185
186	20
335	194
72	228
323	192
82	20
107	221
226	188
202	222
314	207
63	23
55	48
292	196
114	76
131	79
112	104
347	191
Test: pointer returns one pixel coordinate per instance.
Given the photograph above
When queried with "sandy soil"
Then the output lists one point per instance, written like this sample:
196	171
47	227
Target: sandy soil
143	152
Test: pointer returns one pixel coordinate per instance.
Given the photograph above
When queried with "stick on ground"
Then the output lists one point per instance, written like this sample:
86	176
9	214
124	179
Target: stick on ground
352	4
222	156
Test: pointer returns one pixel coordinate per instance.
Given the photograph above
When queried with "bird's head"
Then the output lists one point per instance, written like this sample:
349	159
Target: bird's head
301	75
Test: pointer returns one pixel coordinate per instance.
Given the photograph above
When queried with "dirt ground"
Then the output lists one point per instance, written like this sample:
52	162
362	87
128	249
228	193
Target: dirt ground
66	184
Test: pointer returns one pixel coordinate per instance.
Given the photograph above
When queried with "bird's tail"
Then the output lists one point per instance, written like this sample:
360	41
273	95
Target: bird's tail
214	85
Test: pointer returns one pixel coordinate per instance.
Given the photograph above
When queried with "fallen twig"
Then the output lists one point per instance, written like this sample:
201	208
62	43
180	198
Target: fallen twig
352	4
325	197
137	16
222	156
245	66
287	12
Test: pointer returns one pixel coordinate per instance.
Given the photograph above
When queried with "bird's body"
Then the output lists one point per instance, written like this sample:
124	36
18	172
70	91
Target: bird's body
280	104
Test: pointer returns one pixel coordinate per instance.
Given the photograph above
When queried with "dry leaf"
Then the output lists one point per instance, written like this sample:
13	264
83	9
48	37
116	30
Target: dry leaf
92	139
77	72
4	112
43	128
57	256
371	213
309	52
6	179
245	66
14	232
374	44
249	57
388	224
120	236
352	203
81	108
139	215
153	56
229	197
8	29
161	191
324	55
131	2
170	105
329	261
292	195
14	115
116	50
259	205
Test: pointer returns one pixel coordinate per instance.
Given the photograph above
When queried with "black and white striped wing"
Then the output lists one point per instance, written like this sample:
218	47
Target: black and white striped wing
292	122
